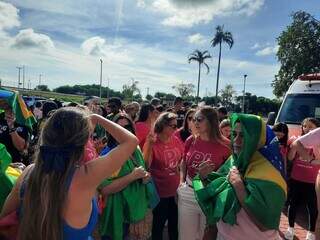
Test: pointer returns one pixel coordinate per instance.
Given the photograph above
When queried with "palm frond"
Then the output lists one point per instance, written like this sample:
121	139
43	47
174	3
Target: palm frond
208	69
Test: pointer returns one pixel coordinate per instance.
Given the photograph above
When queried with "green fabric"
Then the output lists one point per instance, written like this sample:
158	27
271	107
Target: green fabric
6	182
99	131
22	113
127	206
218	199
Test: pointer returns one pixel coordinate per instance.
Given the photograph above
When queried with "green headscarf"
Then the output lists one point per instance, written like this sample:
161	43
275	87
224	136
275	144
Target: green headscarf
265	186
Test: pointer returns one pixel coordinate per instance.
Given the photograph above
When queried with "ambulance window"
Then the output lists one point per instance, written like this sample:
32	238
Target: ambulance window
298	107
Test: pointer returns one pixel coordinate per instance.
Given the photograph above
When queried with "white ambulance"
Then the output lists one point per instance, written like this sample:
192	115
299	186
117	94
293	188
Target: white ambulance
302	100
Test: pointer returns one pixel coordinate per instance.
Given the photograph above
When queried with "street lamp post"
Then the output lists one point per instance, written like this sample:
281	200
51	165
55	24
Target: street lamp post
23	76
100	78
244	91
19	69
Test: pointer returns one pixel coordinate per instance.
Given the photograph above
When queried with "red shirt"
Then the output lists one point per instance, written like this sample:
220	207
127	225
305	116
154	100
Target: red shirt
142	131
166	158
198	151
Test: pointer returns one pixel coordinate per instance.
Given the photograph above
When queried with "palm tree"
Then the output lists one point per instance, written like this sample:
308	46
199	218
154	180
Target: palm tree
199	57
219	38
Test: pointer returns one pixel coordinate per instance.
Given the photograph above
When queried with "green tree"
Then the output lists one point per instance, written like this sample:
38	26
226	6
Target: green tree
227	95
129	90
42	88
149	97
220	37
184	89
199	57
299	51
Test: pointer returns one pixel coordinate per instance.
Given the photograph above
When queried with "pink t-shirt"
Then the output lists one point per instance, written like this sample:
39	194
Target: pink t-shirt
198	151
142	131
304	171
90	152
166	158
244	229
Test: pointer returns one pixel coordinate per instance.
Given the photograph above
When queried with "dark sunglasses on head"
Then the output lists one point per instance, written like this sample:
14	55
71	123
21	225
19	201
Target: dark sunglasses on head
198	119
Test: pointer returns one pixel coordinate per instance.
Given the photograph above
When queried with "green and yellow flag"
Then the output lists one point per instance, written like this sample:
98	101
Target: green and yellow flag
261	165
23	115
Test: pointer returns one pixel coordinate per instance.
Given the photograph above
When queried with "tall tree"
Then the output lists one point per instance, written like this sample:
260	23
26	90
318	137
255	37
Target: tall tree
199	57
299	51
129	90
184	89
227	95
220	37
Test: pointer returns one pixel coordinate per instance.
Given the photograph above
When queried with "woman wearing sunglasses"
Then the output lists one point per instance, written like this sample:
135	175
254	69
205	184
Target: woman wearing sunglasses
203	154
163	153
188	127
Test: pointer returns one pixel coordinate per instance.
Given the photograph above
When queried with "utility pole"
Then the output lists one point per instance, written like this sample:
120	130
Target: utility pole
148	91
19	69
23	76
244	91
100	78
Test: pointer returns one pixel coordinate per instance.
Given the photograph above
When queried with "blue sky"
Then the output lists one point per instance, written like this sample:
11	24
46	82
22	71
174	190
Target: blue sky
148	40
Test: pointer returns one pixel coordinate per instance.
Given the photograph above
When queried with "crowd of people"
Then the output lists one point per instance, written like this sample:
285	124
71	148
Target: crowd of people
116	172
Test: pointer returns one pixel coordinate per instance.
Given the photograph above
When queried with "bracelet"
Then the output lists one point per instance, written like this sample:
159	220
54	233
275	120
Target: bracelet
11	130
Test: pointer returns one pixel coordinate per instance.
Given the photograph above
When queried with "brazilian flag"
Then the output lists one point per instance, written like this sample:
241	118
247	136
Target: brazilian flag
23	115
8	175
261	165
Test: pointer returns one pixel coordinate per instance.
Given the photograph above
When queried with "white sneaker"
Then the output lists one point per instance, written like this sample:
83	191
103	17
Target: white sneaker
310	236
289	235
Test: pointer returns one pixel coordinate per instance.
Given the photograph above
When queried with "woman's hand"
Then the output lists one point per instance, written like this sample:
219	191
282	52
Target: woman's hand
138	173
236	181
151	138
205	168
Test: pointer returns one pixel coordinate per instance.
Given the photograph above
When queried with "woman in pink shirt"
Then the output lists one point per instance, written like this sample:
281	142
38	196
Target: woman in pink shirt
302	183
163	153
188	127
148	114
203	154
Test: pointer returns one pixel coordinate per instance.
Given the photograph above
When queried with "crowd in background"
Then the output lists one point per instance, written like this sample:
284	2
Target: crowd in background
126	171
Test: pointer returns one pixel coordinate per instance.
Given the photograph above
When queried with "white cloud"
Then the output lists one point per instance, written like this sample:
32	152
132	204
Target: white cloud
255	46
97	46
196	39
187	13
27	38
141	3
267	51
8	16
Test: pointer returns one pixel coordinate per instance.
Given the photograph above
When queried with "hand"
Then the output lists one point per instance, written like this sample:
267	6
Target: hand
10	118
236	181
205	168
147	178
94	118
138	173
151	138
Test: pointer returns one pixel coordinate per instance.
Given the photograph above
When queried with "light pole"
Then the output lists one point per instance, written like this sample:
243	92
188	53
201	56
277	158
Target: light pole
244	91
100	78
19	69
23	76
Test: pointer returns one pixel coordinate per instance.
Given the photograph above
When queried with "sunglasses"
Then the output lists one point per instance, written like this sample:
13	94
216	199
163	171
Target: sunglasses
173	126
198	119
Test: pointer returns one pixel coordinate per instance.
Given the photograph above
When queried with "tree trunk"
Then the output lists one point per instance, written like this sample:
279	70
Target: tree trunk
198	82
218	74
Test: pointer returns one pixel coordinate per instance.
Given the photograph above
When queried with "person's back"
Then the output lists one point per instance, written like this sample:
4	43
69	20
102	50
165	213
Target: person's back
59	189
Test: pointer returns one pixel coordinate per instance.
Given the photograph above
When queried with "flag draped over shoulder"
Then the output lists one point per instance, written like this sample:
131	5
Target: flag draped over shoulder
8	175
23	115
127	206
261	165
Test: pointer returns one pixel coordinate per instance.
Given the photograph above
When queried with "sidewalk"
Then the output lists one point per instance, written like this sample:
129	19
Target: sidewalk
300	226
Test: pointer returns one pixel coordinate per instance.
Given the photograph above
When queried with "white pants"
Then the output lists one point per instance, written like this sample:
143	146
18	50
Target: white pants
192	221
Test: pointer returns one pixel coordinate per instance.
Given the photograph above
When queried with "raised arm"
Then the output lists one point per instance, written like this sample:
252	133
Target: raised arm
91	174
